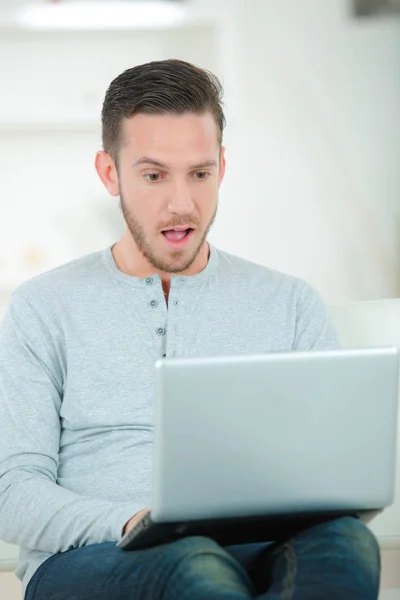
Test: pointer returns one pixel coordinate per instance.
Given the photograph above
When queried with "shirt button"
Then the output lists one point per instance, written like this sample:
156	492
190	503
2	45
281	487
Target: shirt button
149	280
175	302
154	304
160	331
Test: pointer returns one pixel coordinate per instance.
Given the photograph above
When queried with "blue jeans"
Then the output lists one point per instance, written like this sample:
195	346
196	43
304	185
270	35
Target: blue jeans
336	560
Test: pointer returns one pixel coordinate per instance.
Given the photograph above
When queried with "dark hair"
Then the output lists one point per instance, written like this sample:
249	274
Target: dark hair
162	87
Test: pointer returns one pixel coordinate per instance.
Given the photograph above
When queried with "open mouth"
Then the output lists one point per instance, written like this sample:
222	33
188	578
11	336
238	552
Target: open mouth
177	235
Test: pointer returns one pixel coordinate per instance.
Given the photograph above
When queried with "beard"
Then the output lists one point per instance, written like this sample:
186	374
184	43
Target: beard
176	262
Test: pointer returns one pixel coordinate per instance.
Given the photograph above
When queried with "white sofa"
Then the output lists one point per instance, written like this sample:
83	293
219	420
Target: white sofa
361	324
8	556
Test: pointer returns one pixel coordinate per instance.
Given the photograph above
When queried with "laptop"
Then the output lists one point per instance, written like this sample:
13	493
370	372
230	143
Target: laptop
255	448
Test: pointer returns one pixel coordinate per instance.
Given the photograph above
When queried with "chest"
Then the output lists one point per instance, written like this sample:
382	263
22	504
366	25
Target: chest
110	363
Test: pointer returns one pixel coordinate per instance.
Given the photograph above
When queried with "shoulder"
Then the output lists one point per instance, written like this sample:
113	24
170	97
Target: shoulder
263	277
58	283
287	297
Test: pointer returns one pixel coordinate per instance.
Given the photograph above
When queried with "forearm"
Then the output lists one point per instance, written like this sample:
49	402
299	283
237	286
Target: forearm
37	513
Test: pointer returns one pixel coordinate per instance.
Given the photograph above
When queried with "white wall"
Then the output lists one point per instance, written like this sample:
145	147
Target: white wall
314	146
313	141
53	207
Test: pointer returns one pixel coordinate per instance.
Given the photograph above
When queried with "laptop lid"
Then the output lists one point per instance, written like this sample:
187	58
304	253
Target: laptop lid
274	433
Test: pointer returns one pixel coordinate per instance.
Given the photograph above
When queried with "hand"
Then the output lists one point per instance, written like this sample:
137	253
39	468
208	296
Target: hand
134	520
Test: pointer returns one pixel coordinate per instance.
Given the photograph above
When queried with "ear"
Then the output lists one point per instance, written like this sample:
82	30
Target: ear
107	172
222	165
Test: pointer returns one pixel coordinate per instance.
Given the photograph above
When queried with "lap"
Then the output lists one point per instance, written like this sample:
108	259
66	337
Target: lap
89	571
102	571
246	554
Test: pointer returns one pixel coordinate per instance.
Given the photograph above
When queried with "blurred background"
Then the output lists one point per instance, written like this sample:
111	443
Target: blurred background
313	140
312	99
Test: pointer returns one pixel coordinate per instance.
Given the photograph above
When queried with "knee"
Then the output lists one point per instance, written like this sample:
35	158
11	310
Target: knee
357	543
200	562
356	536
199	555
190	547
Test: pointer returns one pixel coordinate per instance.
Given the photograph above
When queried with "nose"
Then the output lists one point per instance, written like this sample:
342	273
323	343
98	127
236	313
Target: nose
180	201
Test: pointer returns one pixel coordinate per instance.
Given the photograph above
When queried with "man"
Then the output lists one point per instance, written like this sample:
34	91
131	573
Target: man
77	353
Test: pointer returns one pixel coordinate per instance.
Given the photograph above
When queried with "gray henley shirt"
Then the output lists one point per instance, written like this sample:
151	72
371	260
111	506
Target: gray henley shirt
77	352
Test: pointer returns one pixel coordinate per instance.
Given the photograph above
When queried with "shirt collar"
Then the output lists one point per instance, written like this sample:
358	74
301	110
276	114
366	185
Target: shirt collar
189	280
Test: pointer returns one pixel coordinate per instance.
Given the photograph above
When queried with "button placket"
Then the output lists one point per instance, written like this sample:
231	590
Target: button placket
155	314
178	285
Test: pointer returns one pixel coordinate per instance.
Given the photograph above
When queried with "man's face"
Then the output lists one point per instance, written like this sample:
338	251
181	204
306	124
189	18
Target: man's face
169	172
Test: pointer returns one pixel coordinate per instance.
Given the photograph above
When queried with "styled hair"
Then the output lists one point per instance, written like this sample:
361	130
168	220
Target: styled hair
161	87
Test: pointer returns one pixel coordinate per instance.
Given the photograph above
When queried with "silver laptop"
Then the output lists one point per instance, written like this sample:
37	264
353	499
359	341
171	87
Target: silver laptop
251	448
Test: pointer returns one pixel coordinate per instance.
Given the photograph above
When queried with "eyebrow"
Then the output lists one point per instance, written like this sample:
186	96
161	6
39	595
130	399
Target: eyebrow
150	161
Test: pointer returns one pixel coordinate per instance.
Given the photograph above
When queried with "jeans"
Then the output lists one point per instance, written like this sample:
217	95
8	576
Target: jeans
335	560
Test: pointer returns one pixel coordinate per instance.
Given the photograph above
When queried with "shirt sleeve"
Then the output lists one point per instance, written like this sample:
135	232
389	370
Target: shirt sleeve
314	329
35	512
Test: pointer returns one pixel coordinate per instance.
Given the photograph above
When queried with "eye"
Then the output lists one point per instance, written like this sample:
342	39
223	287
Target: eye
202	175
153	177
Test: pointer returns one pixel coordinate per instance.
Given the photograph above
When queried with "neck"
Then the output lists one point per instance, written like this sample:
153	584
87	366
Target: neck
131	261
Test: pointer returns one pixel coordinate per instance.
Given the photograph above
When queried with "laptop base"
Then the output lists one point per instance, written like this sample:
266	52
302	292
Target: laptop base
227	531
